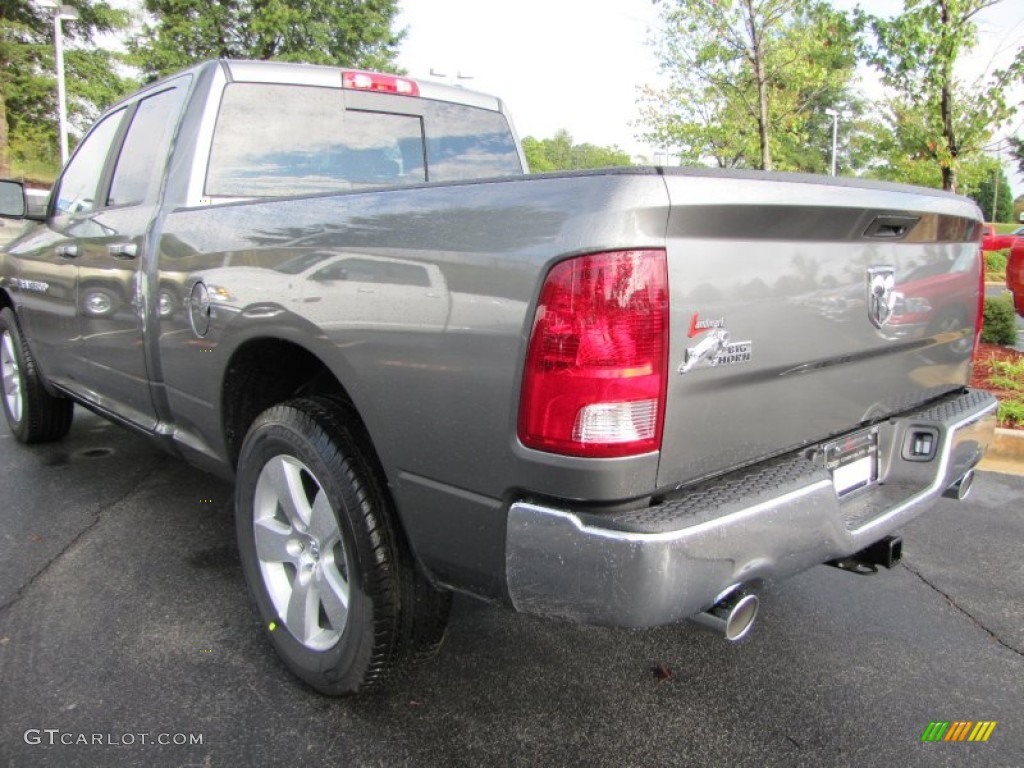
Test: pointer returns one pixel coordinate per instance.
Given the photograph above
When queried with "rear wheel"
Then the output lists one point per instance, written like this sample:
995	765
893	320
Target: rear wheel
32	413
340	595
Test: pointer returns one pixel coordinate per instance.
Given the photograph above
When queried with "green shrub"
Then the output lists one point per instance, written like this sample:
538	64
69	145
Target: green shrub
1011	411
995	264
1000	323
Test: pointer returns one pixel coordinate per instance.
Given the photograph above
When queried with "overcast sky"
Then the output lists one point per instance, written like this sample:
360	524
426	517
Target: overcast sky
575	64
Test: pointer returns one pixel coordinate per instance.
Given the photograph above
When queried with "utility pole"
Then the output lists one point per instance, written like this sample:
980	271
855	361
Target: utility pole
995	186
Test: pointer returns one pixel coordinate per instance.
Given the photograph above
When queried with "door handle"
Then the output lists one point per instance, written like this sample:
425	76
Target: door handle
67	251
123	251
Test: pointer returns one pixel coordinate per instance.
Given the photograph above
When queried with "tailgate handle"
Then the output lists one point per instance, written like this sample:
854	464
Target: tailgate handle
890	227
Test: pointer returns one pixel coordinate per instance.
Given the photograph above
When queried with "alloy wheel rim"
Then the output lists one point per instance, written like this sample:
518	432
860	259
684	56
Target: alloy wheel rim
12	376
301	553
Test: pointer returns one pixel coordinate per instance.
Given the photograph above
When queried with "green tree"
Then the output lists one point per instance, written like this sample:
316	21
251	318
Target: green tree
934	117
354	33
1017	152
28	103
560	154
993	186
749	81
895	158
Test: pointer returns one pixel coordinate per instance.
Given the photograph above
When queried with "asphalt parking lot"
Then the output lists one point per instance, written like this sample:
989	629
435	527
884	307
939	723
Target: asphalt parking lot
123	616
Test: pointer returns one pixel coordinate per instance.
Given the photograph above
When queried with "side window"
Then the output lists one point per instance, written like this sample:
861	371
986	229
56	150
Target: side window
371	271
145	148
81	179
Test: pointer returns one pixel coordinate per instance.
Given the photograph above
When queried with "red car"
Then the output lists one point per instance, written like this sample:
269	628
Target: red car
935	298
1015	275
990	241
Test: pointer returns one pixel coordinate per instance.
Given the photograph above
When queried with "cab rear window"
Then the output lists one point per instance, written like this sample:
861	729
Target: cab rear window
273	140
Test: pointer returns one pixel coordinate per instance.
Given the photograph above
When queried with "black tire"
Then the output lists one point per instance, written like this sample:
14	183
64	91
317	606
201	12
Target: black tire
32	413
311	456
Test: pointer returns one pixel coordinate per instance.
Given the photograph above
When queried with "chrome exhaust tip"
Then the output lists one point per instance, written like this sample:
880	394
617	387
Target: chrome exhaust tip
961	487
732	615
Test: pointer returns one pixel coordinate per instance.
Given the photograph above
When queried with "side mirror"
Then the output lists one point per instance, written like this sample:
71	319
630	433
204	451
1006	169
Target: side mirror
12	199
37	202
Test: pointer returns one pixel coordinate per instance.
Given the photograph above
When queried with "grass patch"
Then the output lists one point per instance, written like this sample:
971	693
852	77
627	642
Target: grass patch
995	265
38	171
1005	229
1008	375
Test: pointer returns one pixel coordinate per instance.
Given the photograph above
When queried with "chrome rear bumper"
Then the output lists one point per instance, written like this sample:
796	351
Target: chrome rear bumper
672	560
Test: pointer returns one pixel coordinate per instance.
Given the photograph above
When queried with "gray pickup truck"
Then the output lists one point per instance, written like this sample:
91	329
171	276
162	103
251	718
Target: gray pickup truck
624	397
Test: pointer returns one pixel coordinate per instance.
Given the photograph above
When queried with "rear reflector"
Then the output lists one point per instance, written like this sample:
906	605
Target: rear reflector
374	81
596	367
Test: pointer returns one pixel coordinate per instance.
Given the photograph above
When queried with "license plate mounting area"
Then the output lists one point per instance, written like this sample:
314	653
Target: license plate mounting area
852	461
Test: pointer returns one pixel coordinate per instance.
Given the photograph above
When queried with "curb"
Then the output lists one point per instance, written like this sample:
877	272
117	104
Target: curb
1005	453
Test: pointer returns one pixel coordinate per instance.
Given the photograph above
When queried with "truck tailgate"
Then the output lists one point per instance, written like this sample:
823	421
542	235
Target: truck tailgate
803	308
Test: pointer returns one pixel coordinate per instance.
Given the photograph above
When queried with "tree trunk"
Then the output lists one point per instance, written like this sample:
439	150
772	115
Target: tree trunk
762	119
5	152
949	169
950	178
761	76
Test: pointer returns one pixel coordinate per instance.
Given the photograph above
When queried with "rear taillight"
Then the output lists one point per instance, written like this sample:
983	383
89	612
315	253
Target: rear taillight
597	362
374	81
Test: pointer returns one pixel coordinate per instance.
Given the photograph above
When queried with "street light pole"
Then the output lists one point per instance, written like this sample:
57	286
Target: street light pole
61	13
995	185
834	114
62	103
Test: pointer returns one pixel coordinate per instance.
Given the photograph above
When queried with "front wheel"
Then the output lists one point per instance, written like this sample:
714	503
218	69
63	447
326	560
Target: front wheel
341	597
33	414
